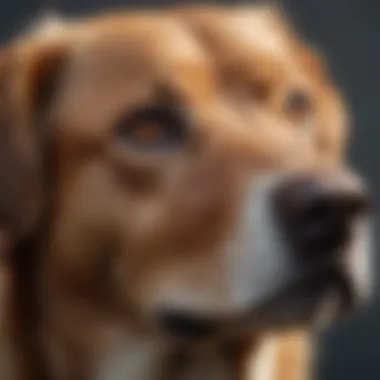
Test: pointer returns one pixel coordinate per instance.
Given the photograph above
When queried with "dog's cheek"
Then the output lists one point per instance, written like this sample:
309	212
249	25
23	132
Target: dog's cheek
84	265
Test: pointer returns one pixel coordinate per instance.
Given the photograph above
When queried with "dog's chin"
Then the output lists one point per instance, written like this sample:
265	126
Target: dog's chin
315	302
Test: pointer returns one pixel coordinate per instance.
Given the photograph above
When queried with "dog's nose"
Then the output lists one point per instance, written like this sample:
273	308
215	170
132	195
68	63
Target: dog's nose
316	215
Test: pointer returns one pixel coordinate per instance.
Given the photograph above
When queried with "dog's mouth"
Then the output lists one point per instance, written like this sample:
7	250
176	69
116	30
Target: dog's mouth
189	326
328	292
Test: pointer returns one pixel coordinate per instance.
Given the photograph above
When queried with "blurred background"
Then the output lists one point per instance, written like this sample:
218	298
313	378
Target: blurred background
348	31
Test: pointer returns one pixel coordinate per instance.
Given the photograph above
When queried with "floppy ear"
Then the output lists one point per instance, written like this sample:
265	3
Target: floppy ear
29	76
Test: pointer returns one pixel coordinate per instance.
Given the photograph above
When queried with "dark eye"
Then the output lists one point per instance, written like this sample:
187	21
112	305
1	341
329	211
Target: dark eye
154	129
298	102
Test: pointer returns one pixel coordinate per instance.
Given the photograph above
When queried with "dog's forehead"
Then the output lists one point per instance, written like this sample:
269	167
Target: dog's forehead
157	40
136	50
253	36
261	30
263	46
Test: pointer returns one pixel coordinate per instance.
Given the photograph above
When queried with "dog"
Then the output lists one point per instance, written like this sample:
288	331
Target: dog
158	228
282	349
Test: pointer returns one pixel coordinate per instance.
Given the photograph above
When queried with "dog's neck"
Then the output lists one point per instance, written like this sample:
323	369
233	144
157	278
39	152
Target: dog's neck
128	356
80	344
85	346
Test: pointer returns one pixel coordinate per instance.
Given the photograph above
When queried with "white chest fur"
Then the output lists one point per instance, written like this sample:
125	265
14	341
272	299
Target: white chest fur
130	358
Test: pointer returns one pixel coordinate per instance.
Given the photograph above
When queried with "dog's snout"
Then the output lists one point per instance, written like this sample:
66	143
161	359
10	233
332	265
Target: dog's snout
317	215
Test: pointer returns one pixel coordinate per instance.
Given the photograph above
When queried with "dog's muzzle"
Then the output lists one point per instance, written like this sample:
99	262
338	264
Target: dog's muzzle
322	223
302	242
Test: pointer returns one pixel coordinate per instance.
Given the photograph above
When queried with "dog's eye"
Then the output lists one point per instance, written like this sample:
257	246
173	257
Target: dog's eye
298	102
156	128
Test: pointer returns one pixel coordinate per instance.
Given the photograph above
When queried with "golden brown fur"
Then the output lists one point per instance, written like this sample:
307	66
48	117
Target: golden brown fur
104	225
67	281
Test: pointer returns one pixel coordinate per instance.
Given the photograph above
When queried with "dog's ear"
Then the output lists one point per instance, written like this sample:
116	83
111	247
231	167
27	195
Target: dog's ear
30	73
29	77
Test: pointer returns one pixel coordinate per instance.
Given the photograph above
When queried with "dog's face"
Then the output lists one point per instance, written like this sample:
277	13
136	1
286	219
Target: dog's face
160	211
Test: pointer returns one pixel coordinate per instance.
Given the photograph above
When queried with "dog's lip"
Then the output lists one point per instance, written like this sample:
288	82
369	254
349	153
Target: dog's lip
324	278
186	325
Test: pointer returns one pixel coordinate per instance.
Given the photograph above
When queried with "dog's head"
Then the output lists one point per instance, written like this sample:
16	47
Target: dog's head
148	181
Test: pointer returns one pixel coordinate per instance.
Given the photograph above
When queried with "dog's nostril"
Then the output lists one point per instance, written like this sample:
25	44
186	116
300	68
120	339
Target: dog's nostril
322	227
185	325
316	218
